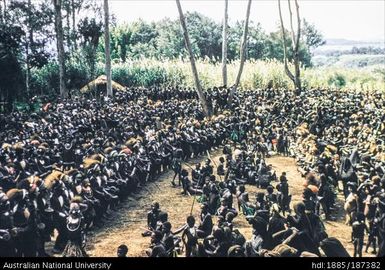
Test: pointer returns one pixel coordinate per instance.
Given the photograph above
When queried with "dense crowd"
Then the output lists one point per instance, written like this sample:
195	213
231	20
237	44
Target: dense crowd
68	166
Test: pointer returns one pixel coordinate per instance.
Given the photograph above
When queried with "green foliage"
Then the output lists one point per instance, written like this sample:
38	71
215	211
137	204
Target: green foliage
257	74
164	40
337	80
136	74
312	37
45	80
147	54
11	76
28	107
91	31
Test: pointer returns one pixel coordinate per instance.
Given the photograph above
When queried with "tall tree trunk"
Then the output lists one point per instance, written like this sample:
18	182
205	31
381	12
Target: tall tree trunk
68	19
283	33
74	41
295	46
60	46
27	70
224	45
242	53
107	48
29	45
198	86
297	63
295	78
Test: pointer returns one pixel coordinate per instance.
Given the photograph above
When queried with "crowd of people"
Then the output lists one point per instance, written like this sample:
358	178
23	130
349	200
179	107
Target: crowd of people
67	167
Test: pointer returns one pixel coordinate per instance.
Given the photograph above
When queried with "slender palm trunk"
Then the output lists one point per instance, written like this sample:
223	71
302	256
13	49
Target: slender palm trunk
198	86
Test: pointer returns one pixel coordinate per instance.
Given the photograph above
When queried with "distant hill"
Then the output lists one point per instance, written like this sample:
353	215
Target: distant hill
345	45
341	41
338	52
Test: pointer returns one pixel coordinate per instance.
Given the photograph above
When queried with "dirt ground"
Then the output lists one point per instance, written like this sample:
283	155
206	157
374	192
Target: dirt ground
127	224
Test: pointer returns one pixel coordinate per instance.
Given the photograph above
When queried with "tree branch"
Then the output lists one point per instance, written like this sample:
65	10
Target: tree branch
242	52
288	72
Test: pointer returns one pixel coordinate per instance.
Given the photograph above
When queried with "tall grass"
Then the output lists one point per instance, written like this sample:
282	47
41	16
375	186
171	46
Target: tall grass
256	74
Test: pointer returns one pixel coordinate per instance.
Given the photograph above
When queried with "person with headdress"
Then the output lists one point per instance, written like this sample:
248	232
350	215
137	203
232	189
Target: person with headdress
76	234
24	221
59	201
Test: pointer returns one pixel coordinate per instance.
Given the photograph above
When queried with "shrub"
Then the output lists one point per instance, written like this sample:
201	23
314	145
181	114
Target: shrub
337	80
256	74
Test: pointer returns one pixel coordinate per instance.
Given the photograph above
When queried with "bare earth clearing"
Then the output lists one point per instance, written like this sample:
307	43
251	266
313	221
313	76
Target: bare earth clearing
127	224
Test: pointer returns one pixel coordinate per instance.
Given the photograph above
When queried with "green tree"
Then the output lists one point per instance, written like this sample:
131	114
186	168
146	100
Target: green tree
35	20
311	36
11	73
90	31
169	42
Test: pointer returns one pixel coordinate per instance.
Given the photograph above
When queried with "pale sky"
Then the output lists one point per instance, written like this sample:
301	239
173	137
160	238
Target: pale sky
348	19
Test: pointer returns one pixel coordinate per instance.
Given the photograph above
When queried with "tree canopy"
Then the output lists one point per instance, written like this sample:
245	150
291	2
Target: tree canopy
27	43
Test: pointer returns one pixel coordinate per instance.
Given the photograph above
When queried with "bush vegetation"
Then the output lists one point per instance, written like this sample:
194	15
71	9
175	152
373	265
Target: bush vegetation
257	74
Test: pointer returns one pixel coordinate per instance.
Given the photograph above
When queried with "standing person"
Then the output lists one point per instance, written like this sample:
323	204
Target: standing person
283	195
347	175
206	225
282	143
152	218
177	166
370	208
190	237
168	240
325	196
359	227
75	233
221	167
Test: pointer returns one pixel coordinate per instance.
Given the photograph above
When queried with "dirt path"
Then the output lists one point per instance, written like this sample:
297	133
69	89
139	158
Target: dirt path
129	221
